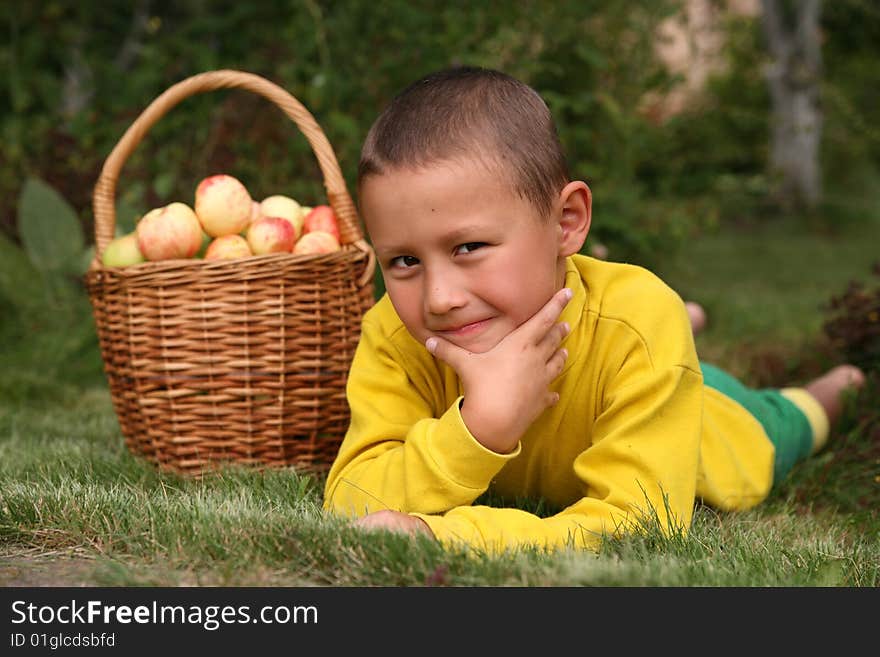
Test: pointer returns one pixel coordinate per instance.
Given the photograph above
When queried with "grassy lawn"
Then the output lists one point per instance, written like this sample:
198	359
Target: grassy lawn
77	509
764	289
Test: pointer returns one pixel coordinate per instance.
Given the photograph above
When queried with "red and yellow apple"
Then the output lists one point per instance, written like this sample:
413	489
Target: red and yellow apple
271	235
169	232
228	247
317	241
285	207
223	205
322	218
122	252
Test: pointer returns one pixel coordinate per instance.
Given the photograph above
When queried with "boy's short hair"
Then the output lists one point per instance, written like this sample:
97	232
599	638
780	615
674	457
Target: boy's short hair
465	112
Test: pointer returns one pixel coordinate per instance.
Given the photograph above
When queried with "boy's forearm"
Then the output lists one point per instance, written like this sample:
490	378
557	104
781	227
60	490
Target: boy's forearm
436	466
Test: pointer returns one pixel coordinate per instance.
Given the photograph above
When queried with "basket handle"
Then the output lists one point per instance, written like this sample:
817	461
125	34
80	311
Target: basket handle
337	193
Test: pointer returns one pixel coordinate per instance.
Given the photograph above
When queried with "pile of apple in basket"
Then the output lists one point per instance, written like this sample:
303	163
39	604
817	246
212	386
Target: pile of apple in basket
224	223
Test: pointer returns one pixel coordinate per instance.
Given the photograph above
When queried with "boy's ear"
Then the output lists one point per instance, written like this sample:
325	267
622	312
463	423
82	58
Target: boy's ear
575	214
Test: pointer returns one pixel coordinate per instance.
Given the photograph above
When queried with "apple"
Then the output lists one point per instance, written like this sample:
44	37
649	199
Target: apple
169	232
271	235
322	218
228	247
286	208
223	205
122	252
317	241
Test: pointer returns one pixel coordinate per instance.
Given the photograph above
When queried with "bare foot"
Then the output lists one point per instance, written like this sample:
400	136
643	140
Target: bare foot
697	316
828	389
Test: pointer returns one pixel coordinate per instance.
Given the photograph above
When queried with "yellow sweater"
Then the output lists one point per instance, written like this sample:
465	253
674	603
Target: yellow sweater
635	432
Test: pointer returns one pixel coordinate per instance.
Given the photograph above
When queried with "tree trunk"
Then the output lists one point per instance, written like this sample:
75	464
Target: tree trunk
793	78
79	83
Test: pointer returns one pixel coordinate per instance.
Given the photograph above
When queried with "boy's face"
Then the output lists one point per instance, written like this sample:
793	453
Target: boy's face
463	256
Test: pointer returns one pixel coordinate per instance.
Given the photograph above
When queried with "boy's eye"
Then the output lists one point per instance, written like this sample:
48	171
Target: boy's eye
404	261
469	247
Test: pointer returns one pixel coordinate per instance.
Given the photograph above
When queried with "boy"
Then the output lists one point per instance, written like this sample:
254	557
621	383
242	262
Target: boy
502	359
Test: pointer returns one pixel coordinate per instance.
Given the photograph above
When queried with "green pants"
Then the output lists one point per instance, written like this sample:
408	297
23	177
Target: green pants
785	424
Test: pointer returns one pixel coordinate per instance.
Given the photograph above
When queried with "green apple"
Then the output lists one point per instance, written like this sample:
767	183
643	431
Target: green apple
122	252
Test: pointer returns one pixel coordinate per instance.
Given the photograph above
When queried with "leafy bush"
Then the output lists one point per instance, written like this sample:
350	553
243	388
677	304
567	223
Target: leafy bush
853	323
47	338
78	74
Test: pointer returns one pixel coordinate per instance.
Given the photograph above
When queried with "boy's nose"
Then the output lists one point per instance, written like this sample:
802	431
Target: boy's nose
442	295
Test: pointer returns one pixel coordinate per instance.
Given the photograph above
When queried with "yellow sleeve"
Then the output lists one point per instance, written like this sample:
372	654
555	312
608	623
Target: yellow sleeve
642	466
404	450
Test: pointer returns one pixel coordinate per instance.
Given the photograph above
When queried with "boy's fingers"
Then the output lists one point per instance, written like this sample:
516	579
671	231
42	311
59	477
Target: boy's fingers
445	351
554	337
557	362
546	318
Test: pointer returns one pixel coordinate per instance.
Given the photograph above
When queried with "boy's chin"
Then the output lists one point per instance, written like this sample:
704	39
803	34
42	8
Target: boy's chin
477	346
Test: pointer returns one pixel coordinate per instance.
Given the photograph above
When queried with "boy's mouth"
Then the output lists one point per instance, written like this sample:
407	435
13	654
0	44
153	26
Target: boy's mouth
464	329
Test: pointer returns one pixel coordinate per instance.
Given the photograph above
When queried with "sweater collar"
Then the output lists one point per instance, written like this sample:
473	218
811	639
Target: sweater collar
573	312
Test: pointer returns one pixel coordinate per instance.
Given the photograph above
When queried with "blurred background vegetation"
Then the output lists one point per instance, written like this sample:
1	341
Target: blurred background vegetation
668	108
676	147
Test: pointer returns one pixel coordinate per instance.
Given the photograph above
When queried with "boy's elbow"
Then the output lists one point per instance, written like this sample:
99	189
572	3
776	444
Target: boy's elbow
338	505
345	497
333	500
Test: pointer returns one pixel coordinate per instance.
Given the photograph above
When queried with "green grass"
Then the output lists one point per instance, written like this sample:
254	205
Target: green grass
76	508
764	287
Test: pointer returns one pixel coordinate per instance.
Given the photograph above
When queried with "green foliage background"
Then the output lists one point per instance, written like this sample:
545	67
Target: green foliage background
76	74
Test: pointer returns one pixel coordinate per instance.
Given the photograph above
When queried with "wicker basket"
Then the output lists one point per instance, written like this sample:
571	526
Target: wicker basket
237	361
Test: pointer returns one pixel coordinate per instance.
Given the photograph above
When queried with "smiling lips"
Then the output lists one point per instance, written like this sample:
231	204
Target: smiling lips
464	329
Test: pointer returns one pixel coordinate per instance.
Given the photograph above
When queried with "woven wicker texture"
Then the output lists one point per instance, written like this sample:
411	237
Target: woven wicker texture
232	361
